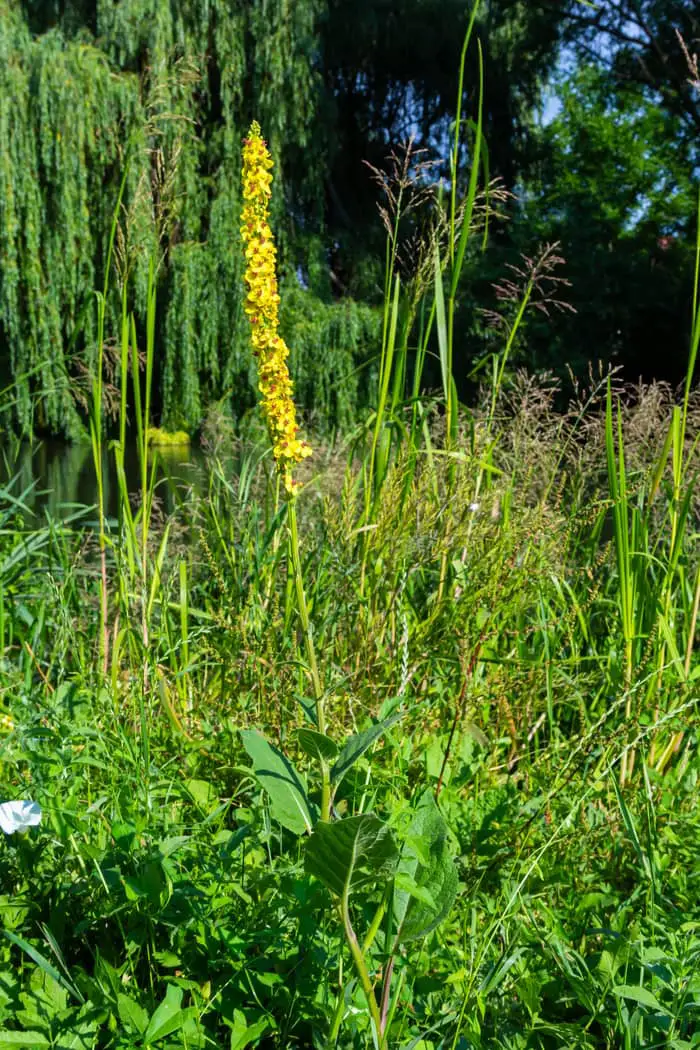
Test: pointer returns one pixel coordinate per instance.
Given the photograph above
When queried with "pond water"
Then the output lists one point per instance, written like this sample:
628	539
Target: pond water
56	479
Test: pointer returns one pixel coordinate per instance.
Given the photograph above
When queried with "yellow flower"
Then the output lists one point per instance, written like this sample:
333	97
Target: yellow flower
6	723
262	306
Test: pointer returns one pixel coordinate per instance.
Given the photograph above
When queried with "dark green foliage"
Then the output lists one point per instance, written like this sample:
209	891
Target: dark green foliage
610	177
163	91
637	42
333	348
504	603
391	73
58	184
614	187
426	882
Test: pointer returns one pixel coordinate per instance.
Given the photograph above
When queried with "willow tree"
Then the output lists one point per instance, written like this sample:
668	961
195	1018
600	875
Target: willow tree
157	93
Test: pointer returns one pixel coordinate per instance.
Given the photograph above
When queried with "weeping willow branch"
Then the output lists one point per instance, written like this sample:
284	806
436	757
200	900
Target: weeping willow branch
172	85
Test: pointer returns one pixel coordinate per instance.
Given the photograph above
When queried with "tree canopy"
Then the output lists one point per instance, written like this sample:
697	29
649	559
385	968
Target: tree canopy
160	94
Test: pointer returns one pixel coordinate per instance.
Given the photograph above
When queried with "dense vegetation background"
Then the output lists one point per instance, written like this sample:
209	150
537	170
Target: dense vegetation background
161	92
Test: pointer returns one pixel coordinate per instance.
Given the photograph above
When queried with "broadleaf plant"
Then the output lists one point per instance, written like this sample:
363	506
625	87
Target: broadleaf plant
429	887
317	745
358	852
285	786
351	853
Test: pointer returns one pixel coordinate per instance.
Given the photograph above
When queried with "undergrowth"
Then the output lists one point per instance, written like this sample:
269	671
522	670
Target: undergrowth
159	887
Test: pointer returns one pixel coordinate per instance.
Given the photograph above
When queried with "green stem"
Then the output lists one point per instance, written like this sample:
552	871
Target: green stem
337	1020
361	967
310	649
339	1011
377	920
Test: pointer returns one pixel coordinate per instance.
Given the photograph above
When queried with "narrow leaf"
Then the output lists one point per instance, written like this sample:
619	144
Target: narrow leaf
44	964
441	325
356	746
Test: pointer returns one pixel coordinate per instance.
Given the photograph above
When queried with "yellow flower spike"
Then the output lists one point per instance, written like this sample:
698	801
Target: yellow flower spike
261	307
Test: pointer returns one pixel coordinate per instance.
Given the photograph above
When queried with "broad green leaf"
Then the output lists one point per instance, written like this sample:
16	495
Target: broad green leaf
317	745
48	992
203	793
168	1016
80	1037
167	958
640	995
33	1039
284	785
413	889
166	847
131	1014
426	875
243	1034
351	853
355	746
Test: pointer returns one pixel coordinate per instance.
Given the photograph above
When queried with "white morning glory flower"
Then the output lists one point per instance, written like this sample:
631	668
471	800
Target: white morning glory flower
19	816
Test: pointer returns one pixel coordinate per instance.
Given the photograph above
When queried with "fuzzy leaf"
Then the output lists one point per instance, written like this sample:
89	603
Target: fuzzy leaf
317	745
284	785
351	853
425	865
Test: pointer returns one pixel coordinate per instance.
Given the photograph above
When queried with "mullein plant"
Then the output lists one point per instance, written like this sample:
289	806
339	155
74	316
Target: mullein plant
275	384
412	887
262	307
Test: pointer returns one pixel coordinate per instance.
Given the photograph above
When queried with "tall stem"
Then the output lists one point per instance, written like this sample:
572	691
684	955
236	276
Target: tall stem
310	649
96	427
361	967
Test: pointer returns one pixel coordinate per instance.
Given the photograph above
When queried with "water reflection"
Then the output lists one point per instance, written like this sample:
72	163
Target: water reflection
55	479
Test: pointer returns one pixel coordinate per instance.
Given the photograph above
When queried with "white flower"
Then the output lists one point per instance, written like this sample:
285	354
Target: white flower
473	507
19	816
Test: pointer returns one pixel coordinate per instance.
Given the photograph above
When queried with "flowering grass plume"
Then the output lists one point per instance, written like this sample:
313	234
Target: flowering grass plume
262	308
